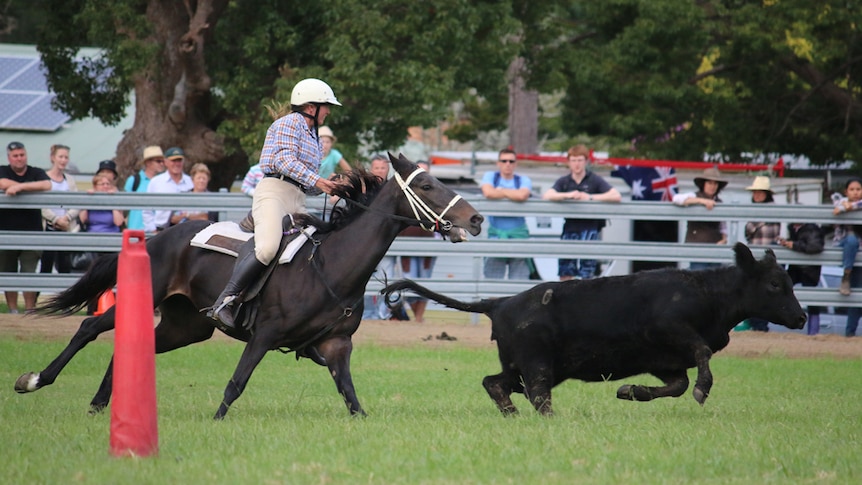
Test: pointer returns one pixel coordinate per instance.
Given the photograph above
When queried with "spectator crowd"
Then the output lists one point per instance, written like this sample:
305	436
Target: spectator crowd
170	171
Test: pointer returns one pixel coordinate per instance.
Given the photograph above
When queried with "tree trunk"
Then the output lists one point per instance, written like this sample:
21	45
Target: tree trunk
523	111
172	96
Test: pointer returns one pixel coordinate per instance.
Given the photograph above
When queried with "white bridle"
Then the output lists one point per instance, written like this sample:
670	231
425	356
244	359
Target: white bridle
419	207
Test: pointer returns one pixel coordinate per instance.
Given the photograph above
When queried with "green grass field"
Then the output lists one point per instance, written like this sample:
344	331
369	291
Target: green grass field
767	421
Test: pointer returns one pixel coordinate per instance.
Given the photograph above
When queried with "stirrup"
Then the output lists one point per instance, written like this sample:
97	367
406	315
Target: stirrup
212	312
228	300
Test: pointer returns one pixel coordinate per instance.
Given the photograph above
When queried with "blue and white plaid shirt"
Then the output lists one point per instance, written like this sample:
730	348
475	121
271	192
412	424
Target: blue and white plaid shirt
291	149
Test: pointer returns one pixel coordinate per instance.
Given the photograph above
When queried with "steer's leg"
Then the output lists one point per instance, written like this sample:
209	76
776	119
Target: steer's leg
703	383
500	387
336	354
676	382
538	380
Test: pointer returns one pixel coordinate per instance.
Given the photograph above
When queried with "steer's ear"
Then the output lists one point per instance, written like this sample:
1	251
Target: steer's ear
744	259
770	257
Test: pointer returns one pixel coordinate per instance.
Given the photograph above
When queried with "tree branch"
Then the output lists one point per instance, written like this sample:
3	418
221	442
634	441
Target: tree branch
712	72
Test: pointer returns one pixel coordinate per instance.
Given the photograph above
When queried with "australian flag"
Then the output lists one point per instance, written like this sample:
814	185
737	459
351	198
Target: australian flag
649	183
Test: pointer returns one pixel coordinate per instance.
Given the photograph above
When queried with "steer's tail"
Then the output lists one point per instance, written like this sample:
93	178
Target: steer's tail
101	276
481	306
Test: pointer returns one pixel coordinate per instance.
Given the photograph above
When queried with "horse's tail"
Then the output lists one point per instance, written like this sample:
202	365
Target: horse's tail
101	276
481	306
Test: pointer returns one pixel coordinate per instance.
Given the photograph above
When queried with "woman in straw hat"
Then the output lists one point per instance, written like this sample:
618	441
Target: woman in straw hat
332	158
761	233
709	185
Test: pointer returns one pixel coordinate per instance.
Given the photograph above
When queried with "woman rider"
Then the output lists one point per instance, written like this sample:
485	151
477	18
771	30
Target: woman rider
290	159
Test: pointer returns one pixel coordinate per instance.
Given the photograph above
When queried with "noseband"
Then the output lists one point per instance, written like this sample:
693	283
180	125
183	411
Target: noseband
420	208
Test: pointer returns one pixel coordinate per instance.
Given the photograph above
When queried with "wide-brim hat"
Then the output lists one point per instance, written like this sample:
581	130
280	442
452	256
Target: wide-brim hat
712	174
152	152
761	183
326	131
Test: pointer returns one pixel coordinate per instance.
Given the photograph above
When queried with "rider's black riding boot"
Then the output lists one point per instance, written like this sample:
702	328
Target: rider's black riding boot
244	272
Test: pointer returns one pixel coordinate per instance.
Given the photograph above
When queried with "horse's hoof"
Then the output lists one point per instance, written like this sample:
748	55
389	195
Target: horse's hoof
699	395
96	409
28	382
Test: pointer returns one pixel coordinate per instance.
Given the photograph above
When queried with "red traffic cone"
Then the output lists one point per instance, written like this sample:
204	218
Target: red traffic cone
106	301
134	423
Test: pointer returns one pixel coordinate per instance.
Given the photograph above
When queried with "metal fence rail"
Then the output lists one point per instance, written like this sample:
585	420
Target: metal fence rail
736	214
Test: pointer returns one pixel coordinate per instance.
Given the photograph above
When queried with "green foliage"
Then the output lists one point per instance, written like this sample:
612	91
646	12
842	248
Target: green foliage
771	420
688	78
679	79
393	64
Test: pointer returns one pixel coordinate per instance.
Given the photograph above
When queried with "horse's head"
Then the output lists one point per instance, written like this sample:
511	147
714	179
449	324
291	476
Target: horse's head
433	204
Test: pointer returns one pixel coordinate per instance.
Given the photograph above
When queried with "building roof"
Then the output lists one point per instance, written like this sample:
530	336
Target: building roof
90	140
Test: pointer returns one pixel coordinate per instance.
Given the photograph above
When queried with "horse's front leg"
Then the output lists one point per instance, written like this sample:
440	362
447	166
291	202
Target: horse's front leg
336	351
251	357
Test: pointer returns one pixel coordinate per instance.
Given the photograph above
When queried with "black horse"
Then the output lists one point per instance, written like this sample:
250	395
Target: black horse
312	305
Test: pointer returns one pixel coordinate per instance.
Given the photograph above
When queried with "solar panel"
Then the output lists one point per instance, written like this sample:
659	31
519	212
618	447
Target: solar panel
25	101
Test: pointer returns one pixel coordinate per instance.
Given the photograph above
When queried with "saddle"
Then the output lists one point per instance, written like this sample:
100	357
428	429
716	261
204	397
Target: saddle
230	238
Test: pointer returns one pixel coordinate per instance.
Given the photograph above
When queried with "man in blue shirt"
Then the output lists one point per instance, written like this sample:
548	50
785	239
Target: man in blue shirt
153	164
499	185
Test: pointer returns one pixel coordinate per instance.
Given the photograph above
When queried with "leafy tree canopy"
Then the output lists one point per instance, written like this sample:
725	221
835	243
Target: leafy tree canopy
681	79
392	63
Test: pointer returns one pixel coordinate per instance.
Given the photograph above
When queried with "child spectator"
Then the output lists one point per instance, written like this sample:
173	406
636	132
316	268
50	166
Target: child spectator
845	234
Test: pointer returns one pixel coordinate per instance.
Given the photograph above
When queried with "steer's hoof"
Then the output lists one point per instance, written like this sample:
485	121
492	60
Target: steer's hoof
28	382
509	411
626	392
699	395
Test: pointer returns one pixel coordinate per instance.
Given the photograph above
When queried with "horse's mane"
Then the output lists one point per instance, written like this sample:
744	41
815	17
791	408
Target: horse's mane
357	185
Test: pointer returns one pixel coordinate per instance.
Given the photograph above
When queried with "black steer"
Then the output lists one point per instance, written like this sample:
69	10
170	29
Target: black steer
660	322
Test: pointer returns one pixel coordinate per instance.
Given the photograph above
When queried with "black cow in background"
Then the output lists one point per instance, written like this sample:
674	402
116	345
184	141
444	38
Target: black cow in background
659	322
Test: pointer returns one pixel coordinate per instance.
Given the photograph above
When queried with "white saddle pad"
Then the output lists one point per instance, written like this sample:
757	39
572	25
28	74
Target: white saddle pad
231	230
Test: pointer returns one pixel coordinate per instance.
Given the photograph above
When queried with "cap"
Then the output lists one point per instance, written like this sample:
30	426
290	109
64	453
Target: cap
15	145
153	152
108	165
174	153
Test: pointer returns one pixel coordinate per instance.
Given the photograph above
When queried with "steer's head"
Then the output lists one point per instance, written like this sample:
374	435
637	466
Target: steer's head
766	289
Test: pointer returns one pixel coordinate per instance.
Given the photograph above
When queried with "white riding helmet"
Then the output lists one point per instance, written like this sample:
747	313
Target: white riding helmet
312	91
